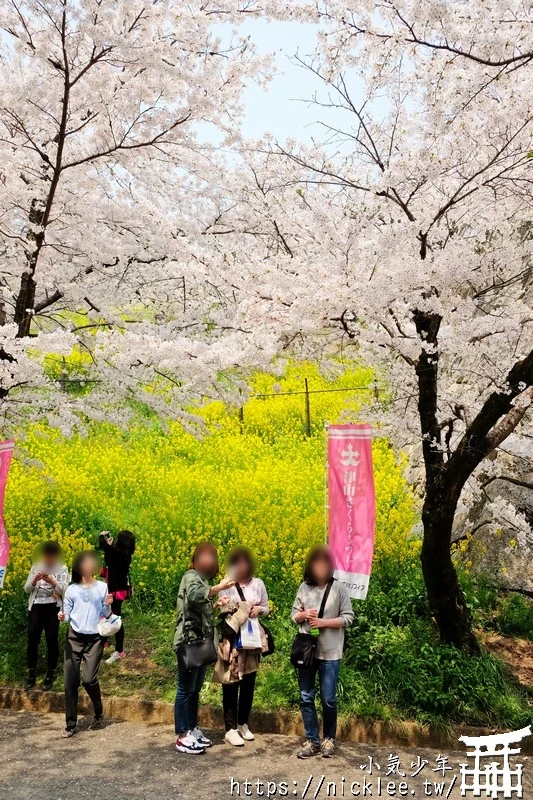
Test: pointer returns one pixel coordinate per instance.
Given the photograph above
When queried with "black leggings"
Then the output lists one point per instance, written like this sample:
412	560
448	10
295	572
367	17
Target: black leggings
237	699
43	617
116	608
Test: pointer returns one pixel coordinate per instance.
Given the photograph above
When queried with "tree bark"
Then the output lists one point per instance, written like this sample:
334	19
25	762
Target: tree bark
39	214
444	480
26	296
445	595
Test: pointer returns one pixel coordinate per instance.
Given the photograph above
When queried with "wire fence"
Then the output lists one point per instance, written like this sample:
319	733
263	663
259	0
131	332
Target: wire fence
306	393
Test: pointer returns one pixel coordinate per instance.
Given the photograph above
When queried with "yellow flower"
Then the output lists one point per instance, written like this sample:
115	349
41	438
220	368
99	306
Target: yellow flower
262	487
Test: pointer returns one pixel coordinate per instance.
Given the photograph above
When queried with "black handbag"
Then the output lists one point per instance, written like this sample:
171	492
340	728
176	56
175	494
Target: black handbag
270	641
304	644
196	653
268	633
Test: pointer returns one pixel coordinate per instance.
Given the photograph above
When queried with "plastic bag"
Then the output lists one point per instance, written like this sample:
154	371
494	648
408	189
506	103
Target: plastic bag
249	636
110	625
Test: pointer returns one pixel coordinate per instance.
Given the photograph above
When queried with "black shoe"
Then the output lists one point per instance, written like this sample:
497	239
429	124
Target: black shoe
97	724
48	681
30	683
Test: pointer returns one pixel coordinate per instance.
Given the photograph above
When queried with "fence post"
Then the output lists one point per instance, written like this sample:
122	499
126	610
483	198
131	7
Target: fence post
307	410
241	414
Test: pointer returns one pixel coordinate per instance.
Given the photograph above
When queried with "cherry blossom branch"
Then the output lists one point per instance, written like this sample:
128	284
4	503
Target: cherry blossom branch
486	432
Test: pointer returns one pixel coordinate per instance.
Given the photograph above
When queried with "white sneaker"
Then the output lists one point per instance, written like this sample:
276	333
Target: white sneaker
234	737
201	738
245	733
187	743
115	657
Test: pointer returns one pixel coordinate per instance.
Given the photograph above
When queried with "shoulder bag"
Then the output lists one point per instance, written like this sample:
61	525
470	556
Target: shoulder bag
125	594
304	644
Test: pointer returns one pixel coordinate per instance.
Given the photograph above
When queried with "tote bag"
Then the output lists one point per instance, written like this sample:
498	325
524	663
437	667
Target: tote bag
110	625
269	638
199	652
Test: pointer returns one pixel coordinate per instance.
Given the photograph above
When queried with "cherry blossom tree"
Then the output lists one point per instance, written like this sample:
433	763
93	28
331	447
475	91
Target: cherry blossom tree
410	221
137	261
112	115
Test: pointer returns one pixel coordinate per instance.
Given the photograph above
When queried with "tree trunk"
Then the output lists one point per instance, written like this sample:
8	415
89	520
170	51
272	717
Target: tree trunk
25	304
445	596
446	599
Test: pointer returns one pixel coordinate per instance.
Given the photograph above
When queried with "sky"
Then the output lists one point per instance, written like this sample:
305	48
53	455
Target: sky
282	109
279	109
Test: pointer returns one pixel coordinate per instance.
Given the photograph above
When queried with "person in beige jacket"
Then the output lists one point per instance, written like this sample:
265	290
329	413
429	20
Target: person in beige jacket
236	669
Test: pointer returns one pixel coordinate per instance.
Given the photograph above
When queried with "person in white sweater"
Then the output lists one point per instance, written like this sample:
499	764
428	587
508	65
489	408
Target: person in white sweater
338	614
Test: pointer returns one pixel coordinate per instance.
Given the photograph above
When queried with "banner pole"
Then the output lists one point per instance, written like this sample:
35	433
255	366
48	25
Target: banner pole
6	451
326	467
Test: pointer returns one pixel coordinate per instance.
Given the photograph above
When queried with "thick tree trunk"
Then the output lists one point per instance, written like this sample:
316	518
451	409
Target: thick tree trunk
445	596
40	210
26	297
25	304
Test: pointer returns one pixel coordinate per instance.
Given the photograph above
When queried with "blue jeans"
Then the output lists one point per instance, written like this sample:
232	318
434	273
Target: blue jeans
328	676
190	682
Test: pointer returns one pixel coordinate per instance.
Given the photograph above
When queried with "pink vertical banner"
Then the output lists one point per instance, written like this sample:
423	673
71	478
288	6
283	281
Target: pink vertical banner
352	505
6	451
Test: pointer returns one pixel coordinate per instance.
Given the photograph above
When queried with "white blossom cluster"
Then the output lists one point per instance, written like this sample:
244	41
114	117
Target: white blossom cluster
139	231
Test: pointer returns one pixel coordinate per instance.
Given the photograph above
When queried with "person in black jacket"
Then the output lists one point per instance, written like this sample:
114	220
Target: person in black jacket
118	555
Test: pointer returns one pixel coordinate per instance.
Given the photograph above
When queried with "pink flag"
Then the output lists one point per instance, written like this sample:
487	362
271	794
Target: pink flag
6	451
352	505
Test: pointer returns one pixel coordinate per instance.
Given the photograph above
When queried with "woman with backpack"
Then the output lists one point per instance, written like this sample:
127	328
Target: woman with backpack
322	607
118	555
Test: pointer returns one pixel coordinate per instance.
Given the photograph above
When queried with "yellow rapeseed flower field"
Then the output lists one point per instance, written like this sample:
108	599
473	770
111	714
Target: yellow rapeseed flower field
259	482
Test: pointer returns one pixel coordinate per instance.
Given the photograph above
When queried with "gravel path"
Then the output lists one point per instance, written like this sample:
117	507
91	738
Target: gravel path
130	762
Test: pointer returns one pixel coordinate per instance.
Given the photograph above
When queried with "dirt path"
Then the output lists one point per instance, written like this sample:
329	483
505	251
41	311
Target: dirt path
517	654
130	762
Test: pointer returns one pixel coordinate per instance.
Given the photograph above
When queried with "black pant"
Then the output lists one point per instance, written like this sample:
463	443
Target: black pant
237	699
116	608
43	617
83	654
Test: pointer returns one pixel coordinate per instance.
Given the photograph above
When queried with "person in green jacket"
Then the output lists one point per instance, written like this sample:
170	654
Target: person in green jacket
195	620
